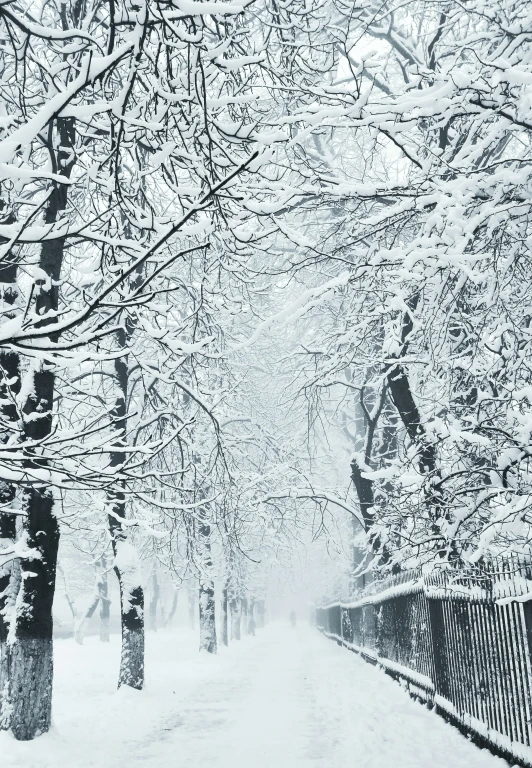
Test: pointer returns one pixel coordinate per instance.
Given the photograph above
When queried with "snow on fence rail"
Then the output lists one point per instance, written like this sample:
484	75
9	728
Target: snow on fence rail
461	639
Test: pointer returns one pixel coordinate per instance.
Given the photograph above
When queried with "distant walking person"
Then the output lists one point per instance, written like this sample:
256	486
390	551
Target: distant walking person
251	627
293	618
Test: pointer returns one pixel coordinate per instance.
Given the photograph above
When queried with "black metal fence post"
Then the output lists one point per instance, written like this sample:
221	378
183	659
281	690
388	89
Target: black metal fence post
439	648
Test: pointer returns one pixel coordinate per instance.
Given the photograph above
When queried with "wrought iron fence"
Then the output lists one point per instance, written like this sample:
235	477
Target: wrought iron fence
462	640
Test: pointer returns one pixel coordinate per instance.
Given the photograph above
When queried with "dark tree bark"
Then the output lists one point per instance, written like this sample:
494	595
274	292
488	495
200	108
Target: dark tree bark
403	400
364	485
29	695
9	421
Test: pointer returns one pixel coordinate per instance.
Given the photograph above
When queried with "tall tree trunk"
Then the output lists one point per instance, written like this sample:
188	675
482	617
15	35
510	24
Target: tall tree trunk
207	605
234	605
27	706
208	641
224	617
403	400
9	389
127	563
367	415
30	696
128	571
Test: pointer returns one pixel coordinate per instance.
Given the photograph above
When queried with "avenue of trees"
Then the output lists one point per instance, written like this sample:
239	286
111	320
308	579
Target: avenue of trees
264	270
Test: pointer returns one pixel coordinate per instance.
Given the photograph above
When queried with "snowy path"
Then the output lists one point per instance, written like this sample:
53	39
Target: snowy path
285	699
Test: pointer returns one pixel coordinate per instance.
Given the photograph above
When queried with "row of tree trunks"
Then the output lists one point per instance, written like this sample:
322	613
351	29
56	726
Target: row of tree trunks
241	611
245	617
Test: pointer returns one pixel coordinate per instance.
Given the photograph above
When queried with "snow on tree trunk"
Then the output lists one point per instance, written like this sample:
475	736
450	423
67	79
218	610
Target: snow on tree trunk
30	635
207	604
5	575
128	569
6	582
127	563
27	702
8	602
234	605
9	389
207	616
224	618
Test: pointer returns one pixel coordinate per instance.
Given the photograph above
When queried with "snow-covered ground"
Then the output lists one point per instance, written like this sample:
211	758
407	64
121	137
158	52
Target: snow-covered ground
283	699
